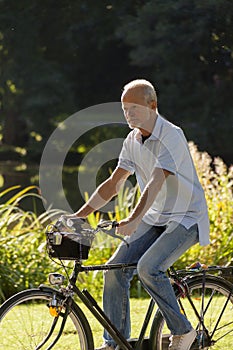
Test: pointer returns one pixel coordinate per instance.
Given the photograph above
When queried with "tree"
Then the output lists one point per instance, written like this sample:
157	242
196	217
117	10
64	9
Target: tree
34	88
187	46
58	57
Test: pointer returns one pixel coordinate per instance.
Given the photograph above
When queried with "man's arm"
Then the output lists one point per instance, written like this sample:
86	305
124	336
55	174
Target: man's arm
104	192
128	226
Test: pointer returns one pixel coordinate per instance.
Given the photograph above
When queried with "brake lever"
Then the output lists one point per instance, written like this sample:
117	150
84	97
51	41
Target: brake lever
111	232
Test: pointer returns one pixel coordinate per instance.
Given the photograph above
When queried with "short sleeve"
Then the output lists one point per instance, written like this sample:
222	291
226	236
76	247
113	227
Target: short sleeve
124	161
171	151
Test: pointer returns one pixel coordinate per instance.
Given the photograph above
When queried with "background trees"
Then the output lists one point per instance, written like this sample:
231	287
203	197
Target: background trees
57	57
187	46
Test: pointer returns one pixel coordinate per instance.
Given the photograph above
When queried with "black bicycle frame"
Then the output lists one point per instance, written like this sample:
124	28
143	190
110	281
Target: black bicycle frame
99	314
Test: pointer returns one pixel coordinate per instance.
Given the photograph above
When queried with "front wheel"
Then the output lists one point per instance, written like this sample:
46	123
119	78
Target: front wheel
27	321
214	303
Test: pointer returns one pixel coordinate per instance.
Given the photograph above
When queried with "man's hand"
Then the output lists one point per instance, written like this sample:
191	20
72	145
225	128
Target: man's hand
126	227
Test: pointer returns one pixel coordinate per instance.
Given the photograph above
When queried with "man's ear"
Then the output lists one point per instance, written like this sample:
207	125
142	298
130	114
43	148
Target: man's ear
153	105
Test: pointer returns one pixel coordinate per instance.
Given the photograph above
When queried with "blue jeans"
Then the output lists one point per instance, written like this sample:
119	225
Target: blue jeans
154	249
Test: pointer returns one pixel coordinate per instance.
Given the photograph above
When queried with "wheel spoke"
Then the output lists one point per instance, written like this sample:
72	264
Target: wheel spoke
28	324
209	309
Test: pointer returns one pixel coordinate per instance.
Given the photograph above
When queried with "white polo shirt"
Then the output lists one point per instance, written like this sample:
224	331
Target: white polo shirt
181	197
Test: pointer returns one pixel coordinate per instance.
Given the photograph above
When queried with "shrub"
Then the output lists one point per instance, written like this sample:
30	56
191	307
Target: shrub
217	181
23	259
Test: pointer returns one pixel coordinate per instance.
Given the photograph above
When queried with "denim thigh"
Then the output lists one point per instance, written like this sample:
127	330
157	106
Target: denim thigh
138	243
169	246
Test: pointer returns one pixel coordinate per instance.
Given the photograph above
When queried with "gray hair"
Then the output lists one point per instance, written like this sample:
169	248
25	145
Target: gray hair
148	89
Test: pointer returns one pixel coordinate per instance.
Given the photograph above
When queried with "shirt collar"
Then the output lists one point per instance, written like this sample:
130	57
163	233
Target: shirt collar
157	128
155	135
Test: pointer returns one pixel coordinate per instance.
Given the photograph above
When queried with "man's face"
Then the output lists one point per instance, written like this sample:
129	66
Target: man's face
136	109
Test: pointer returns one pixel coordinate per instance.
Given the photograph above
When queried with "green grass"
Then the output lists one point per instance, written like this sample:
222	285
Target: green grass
211	316
138	312
41	320
10	332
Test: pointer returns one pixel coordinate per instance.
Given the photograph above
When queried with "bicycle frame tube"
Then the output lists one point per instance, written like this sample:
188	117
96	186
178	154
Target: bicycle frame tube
98	313
145	324
102	318
220	316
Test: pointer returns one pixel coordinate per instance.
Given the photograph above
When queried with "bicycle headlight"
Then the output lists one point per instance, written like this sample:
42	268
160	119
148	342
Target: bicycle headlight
56	278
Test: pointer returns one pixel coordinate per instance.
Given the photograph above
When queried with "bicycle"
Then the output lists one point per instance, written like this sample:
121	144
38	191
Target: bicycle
37	318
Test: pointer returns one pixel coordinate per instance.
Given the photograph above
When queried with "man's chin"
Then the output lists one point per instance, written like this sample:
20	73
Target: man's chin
133	126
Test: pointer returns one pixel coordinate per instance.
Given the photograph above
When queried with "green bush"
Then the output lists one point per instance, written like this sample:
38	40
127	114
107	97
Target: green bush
217	181
23	259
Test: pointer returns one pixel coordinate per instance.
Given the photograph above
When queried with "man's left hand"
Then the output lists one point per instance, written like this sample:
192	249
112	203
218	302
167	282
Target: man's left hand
126	227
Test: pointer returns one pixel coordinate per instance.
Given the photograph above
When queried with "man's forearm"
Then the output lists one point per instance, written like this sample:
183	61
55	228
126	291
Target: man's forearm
146	200
102	195
129	225
149	195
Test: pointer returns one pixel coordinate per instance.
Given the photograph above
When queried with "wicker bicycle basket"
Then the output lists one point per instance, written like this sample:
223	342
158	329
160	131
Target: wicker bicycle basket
69	243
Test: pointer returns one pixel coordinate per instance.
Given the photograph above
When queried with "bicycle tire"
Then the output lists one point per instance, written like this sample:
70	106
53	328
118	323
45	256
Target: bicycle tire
217	291
25	320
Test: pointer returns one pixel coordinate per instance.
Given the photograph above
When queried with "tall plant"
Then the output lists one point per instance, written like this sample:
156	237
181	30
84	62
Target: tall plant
217	181
23	258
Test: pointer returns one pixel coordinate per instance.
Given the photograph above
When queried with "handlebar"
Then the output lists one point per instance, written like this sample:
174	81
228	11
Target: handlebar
108	227
74	224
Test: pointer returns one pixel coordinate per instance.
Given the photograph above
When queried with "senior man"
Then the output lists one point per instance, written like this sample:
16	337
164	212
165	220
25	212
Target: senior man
170	216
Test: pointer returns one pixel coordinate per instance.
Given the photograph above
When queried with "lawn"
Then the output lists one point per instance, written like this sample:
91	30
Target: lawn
21	318
12	337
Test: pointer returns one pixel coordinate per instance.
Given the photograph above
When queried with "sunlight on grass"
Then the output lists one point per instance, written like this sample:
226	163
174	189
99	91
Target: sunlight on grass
42	321
211	316
138	312
22	316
